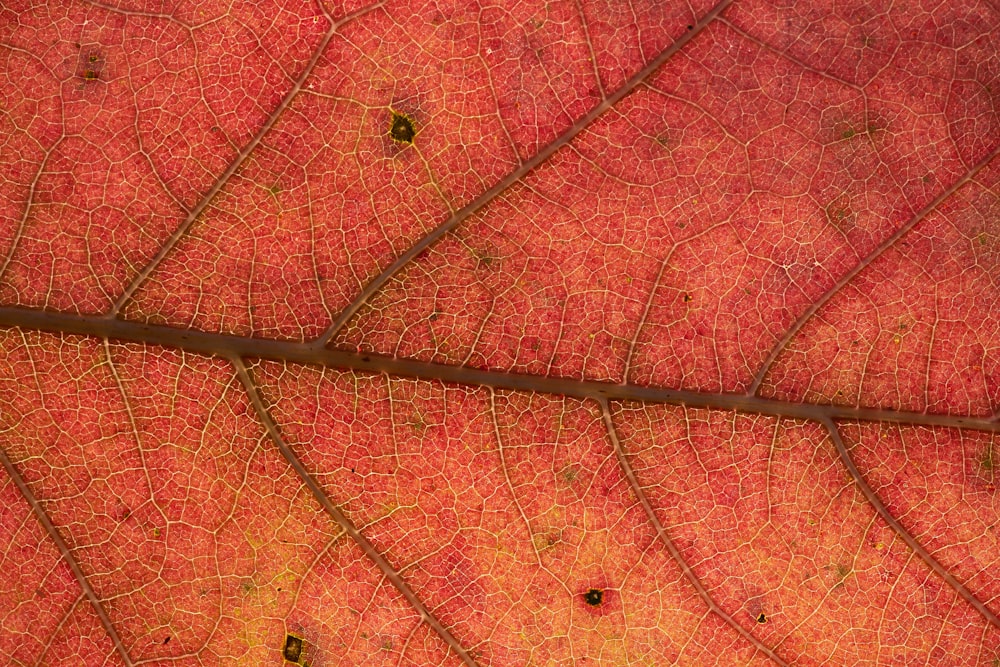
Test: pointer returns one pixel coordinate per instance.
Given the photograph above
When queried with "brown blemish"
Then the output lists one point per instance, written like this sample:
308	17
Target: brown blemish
91	64
402	129
293	648
598	599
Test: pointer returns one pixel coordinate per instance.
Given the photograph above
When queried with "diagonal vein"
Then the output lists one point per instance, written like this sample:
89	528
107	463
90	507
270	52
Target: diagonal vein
67	555
240	158
342	520
864	263
915	546
675	553
513	177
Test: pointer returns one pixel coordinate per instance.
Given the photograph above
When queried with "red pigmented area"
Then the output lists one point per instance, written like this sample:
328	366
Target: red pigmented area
457	333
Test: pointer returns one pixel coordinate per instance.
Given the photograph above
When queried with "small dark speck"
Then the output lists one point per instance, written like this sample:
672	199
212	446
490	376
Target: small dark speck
366	359
593	597
761	618
690	27
167	640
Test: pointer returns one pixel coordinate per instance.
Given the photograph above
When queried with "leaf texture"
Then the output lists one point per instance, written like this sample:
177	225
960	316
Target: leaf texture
566	333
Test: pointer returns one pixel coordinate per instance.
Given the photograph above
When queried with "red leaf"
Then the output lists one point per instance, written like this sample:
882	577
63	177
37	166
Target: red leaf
558	333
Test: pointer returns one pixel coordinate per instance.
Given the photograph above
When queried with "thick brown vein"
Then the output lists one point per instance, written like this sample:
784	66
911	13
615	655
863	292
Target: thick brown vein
227	346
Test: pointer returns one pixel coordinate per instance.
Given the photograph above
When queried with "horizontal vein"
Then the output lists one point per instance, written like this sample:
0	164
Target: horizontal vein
228	346
513	177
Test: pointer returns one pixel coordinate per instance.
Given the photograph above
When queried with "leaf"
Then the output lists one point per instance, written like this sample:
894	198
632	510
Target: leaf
557	333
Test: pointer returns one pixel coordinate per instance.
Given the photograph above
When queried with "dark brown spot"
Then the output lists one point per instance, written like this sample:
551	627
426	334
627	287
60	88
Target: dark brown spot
594	597
986	460
761	618
91	64
569	474
293	648
401	129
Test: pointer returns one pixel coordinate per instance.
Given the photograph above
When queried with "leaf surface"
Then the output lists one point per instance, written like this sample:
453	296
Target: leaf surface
544	334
